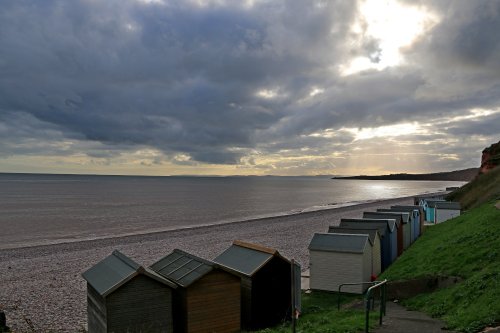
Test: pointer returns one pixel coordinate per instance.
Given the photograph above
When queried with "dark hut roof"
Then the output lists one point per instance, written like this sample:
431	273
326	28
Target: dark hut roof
447	205
407	208
372	233
115	270
332	242
404	217
386	215
431	201
246	258
183	268
380	227
391	223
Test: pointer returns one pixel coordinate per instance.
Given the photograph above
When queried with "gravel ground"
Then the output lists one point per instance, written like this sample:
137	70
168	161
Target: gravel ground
41	288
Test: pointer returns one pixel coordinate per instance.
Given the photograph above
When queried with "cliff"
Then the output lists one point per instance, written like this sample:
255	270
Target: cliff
485	186
490	158
459	175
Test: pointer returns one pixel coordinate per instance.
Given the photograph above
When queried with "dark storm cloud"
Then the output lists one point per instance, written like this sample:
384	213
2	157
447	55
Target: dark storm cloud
176	77
184	78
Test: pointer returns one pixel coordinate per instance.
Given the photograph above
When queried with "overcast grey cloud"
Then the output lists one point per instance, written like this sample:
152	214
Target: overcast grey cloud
241	84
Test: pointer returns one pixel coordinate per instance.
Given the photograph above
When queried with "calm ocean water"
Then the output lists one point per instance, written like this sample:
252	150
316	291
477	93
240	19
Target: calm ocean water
45	209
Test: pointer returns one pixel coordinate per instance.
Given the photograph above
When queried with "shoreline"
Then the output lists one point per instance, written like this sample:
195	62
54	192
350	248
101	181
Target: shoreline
42	285
305	212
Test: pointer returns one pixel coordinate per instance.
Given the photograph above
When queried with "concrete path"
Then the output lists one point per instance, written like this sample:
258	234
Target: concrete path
400	320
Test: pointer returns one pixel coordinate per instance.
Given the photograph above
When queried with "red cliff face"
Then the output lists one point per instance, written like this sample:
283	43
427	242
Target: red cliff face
490	158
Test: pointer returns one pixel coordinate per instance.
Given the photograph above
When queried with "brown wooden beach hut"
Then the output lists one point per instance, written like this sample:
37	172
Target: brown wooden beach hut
265	283
207	298
123	296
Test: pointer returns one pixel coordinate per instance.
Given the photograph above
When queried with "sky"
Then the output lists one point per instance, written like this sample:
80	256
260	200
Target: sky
202	87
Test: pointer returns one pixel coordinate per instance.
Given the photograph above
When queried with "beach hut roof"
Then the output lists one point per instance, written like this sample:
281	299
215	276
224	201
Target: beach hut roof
409	208
430	197
390	222
115	270
247	258
372	233
431	201
446	205
183	268
333	242
405	215
387	215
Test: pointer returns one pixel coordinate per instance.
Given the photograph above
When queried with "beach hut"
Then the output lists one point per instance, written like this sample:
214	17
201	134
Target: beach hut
375	240
445	210
406	223
340	258
123	296
414	223
428	206
417	214
207	298
399	225
417	211
420	200
385	228
265	283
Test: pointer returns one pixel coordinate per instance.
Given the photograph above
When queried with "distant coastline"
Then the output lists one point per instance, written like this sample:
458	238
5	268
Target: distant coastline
458	175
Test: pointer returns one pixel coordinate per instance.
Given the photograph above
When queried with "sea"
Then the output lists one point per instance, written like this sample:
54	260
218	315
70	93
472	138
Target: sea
41	209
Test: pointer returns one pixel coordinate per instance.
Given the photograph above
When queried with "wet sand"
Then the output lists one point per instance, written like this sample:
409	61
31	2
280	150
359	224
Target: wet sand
41	288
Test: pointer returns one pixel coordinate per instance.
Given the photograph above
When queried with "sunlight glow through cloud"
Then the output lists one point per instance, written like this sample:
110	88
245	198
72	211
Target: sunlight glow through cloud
386	131
393	26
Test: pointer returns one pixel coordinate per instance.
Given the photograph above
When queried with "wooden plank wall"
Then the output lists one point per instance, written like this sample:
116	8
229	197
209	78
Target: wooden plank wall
96	311
141	305
213	304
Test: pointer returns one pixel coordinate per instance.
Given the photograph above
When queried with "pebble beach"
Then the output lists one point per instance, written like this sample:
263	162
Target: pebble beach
41	288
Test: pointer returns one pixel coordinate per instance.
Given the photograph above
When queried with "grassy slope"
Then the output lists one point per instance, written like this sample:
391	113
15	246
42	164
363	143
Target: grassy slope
320	315
482	189
467	246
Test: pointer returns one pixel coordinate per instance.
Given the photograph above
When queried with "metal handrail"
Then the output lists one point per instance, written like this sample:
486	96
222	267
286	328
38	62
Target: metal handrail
383	288
350	284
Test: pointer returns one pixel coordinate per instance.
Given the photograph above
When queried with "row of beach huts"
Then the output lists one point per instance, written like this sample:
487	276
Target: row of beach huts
359	249
247	286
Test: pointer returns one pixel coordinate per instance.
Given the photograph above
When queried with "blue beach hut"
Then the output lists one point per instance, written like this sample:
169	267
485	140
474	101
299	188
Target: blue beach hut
429	208
400	225
416	212
414	224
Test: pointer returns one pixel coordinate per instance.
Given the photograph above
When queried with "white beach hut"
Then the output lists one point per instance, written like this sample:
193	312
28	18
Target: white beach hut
445	210
374	238
340	258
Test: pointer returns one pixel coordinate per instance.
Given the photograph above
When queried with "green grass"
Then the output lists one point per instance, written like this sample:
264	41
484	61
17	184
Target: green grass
467	246
320	315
